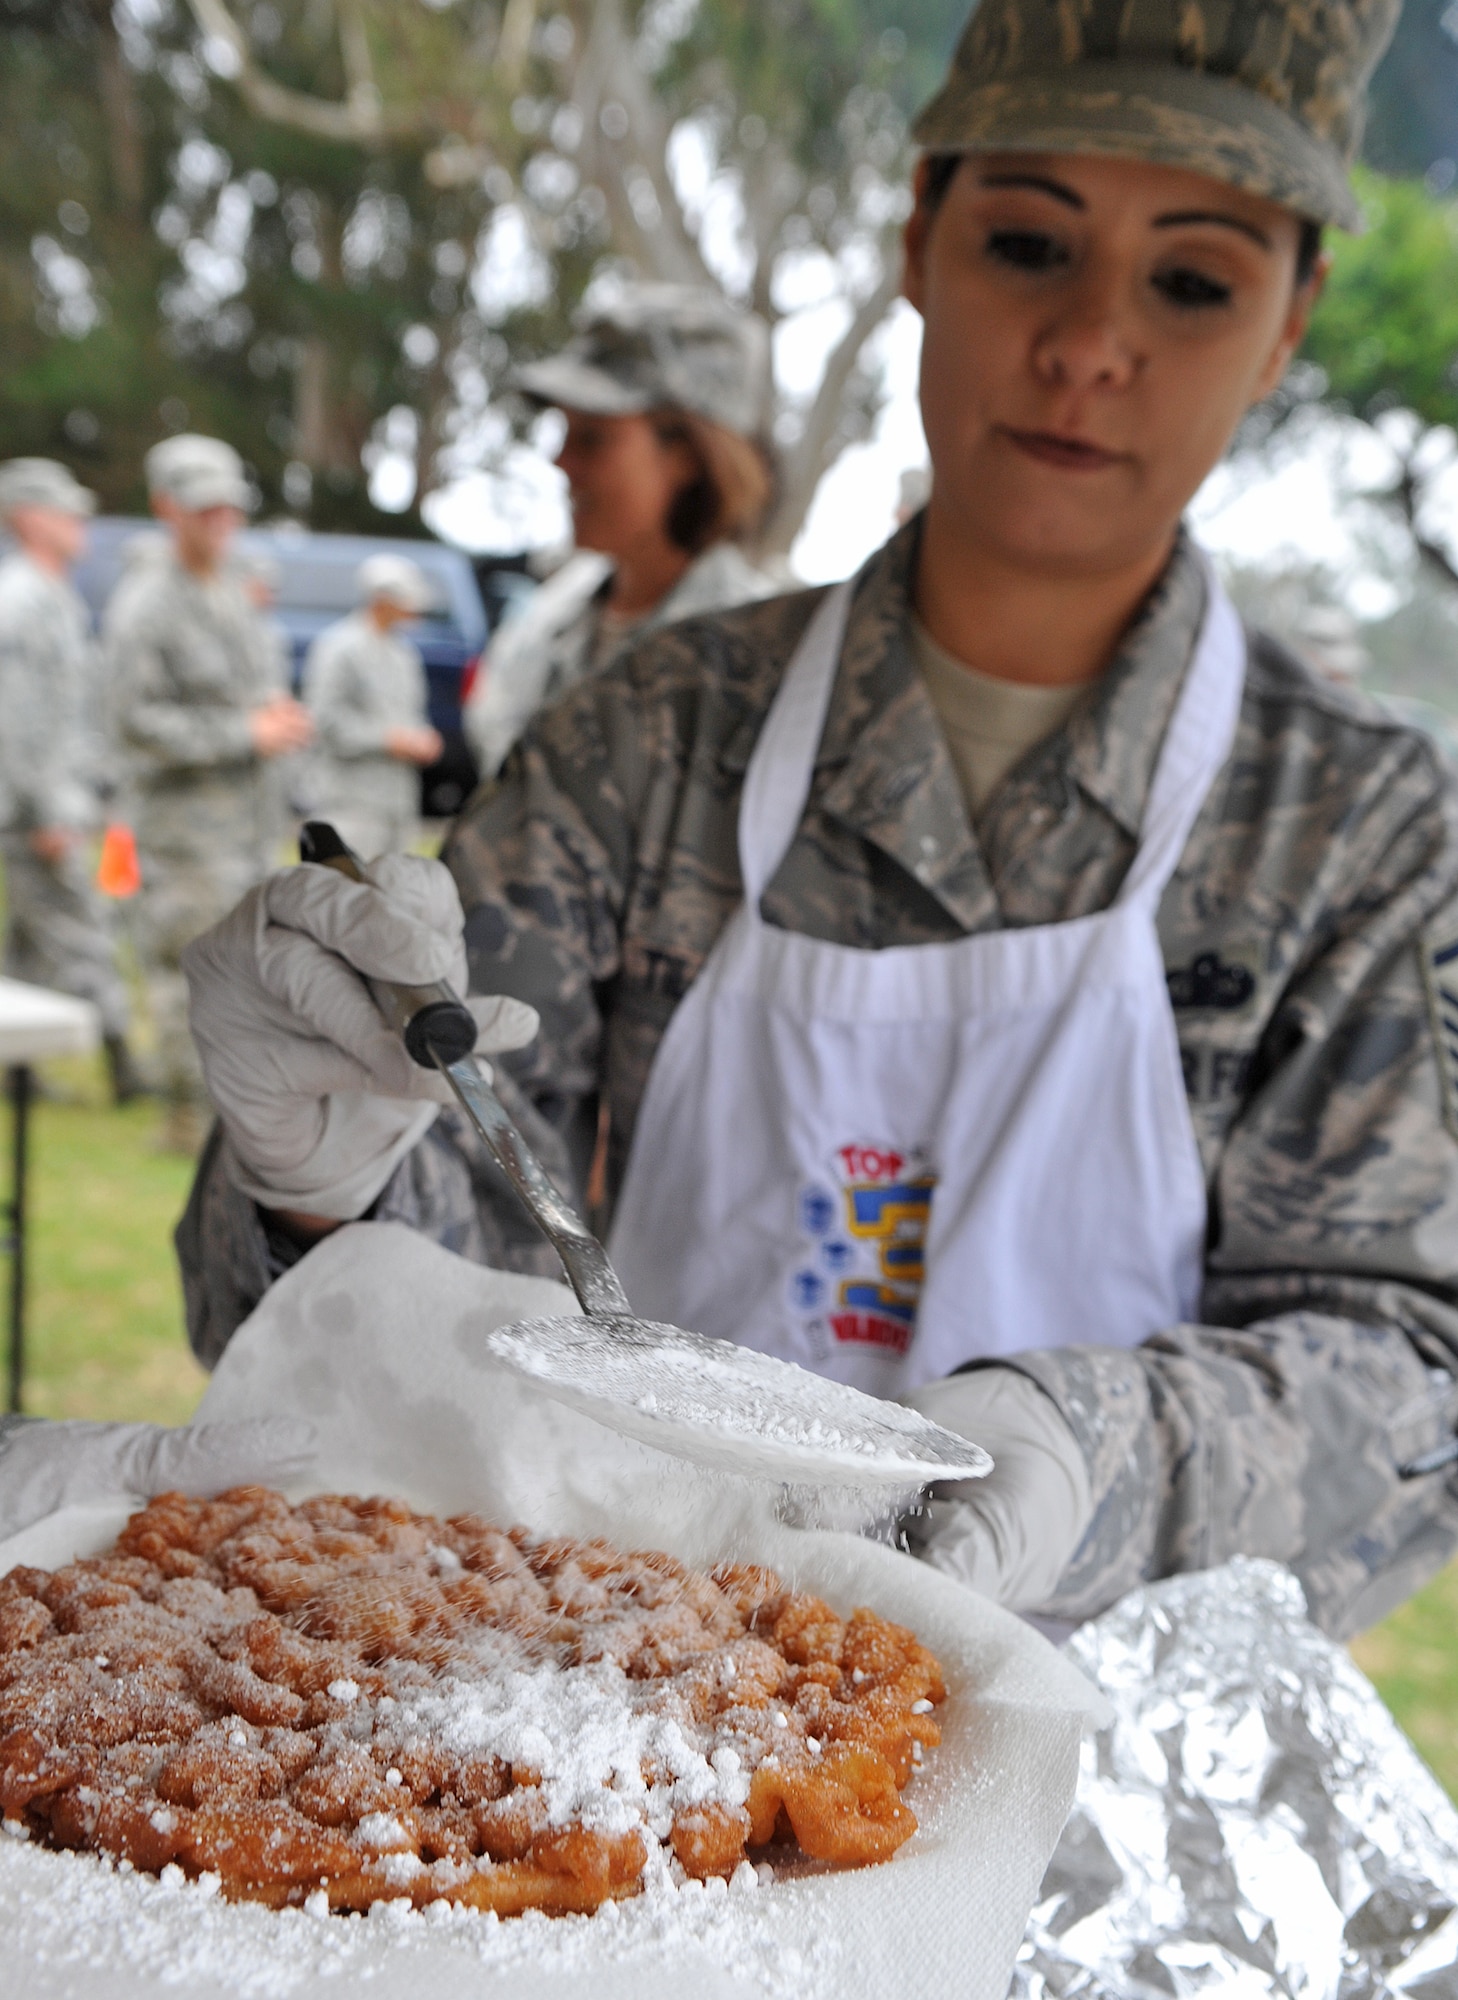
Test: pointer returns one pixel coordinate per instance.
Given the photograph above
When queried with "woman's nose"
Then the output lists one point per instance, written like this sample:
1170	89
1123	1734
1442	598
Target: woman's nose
1088	343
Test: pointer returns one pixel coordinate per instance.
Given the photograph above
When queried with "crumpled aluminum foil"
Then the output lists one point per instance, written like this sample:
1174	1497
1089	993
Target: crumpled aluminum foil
1252	1824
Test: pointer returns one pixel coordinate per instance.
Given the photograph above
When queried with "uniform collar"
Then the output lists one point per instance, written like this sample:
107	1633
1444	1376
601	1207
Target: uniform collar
719	577
721	574
207	589
883	769
1114	740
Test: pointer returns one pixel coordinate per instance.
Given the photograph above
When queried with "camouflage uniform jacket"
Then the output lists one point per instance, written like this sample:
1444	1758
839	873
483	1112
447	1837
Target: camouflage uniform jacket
188	662
1318	888
48	687
359	684
558	638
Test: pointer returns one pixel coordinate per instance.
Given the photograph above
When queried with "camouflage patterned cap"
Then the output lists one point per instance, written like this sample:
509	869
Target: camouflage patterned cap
42	482
394	578
660	347
1266	95
197	473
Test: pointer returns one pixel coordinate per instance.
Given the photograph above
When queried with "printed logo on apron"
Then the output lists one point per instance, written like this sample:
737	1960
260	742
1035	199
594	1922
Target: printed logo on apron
856	1280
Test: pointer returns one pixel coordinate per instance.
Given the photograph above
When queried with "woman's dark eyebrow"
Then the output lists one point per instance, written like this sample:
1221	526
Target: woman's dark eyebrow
1040	182
1070	198
1222	221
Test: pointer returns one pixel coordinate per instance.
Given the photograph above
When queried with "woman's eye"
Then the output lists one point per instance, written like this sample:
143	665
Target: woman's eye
1188	288
1026	249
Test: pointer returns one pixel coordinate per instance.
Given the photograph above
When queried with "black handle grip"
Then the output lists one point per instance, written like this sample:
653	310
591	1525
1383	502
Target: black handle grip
435	1024
320	842
442	1031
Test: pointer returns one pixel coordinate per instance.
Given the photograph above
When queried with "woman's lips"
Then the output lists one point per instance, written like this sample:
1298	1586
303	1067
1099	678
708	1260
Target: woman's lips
1069	454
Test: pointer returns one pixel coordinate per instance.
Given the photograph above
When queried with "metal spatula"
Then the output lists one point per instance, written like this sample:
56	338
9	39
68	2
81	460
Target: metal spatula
705	1400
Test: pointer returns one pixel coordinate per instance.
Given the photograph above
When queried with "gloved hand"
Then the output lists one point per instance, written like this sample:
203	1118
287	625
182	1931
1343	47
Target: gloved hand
318	1096
44	1466
1012	1534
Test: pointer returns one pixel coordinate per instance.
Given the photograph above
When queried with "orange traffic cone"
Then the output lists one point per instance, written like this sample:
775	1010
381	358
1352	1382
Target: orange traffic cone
118	872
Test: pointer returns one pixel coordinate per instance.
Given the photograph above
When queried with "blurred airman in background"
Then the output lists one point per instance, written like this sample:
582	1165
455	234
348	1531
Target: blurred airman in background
365	687
202	711
51	753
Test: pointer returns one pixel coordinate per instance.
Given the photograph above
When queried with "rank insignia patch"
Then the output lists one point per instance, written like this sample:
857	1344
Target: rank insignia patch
1210	982
1440	974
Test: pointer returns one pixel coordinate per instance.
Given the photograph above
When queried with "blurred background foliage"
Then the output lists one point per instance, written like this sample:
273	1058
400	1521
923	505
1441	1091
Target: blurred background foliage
1383	344
1385	332
320	227
325	228
1374	399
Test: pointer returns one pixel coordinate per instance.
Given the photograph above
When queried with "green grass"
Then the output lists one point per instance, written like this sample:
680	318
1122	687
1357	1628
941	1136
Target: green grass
105	1336
1413	1658
107	1341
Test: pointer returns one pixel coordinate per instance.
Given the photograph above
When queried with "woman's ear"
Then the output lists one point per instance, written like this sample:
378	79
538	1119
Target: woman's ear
1298	317
914	240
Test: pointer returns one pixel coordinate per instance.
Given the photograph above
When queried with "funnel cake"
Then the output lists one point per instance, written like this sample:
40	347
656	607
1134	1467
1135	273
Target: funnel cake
345	1701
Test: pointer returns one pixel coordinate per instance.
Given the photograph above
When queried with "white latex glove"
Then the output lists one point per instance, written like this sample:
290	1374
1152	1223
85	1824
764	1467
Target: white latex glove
44	1466
1012	1534
319	1097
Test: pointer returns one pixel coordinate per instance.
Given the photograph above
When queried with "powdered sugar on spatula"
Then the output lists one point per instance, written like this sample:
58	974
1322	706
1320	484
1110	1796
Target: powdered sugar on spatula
729	1407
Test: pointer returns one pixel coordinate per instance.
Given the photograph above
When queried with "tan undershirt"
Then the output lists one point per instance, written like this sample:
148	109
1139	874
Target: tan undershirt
989	724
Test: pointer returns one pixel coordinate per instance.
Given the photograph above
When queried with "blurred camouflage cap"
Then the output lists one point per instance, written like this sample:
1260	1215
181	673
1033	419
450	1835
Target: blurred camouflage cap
1265	95
396	579
42	482
657	347
198	472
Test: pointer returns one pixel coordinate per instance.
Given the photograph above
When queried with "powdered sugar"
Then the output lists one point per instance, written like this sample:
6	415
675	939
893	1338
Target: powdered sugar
137	1932
382	1831
731	1407
588	1732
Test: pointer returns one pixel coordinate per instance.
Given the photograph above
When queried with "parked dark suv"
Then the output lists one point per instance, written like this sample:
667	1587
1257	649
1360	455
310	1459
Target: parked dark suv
316	586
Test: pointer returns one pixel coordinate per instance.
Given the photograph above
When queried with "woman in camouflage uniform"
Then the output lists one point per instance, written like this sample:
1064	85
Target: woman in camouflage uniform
1115	246
665	392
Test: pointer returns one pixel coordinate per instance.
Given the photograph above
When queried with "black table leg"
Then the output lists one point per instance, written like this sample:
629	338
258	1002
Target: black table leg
14	1211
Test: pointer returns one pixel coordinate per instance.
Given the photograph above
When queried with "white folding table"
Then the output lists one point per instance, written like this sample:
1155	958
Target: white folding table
34	1025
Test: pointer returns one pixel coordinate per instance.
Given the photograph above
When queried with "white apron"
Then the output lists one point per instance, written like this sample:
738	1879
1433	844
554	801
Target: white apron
883	1164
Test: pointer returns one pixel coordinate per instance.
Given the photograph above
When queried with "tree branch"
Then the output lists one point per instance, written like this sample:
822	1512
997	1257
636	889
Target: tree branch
360	120
608	74
1408	493
119	111
1438	557
815	447
772	187
361	89
515	45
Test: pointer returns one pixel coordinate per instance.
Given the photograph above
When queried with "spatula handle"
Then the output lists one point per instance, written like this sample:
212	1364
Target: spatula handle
439	1030
433	1021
